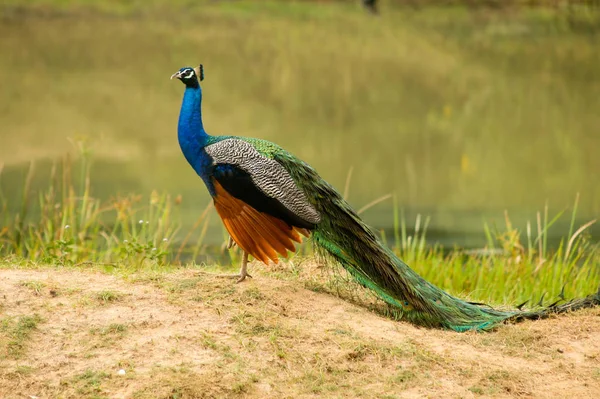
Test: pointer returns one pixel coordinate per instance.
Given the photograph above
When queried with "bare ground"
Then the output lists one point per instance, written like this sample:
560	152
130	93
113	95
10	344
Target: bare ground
85	334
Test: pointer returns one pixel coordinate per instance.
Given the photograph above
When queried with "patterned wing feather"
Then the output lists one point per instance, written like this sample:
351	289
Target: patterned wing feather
240	165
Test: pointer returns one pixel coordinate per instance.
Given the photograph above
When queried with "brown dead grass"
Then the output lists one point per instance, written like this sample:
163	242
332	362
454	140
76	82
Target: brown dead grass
191	335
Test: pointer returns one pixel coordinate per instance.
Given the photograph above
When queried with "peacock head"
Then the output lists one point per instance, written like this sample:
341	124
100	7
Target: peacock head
190	76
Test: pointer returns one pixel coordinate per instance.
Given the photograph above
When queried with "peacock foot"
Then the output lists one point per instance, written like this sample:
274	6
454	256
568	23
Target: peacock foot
244	268
241	276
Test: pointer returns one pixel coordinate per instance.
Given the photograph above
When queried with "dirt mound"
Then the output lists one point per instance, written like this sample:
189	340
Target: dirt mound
82	334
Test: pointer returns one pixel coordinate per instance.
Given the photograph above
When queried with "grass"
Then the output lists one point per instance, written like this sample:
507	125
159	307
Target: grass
35	286
15	333
65	225
112	329
89	383
108	296
520	266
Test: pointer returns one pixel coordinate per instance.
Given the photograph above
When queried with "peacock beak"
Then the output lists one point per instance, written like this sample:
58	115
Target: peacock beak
176	75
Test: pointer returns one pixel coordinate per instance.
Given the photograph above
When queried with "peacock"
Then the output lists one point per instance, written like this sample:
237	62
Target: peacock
268	200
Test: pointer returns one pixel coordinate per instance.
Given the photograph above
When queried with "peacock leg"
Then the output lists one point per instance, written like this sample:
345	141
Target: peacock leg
230	243
244	268
241	276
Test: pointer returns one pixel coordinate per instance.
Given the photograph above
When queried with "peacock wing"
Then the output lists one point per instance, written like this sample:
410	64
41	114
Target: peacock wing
260	204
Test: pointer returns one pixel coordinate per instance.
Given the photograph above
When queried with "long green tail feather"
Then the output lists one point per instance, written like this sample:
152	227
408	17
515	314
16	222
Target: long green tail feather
344	237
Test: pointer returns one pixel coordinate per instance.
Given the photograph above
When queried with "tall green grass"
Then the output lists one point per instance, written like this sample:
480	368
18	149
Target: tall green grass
514	267
66	225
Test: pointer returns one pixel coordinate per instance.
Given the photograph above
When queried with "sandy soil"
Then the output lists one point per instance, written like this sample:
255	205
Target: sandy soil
84	334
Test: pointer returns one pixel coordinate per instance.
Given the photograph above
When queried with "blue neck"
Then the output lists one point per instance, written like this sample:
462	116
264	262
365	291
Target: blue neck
190	132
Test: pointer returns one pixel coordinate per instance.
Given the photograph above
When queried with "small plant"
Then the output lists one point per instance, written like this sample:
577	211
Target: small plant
112	329
24	370
89	383
35	286
108	296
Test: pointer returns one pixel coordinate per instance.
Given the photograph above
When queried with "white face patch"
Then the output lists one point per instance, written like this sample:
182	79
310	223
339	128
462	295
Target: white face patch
189	73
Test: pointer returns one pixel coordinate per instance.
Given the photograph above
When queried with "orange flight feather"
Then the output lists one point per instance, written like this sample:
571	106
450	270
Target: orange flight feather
261	235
